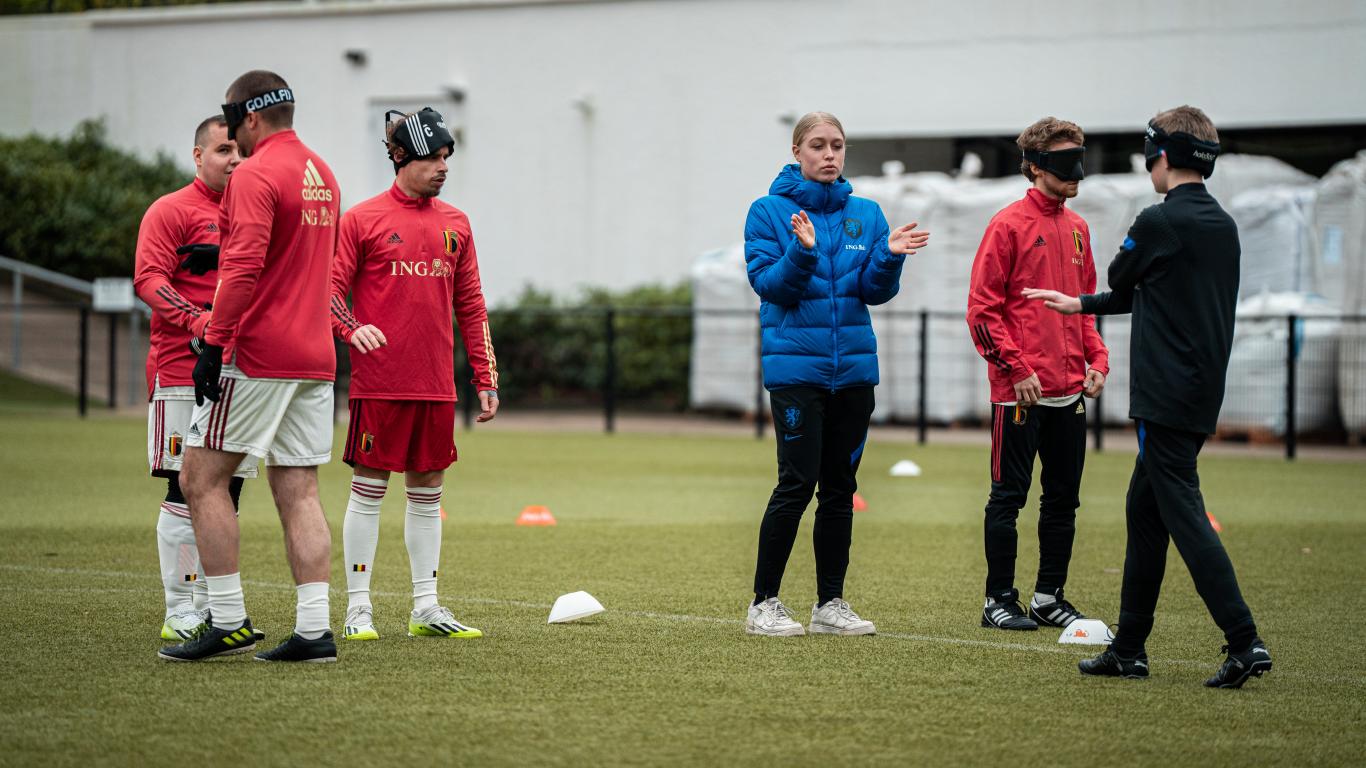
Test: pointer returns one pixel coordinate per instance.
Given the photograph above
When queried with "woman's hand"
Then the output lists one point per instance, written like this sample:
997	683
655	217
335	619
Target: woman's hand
804	229
907	240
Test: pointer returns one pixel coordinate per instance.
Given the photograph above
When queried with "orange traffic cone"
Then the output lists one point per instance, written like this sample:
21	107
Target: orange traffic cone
859	504
536	515
443	513
1214	523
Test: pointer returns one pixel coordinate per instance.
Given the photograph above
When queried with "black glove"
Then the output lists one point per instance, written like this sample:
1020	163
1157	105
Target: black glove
199	257
206	371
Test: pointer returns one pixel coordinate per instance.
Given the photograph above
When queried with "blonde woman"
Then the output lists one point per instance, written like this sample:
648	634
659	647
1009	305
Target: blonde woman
818	257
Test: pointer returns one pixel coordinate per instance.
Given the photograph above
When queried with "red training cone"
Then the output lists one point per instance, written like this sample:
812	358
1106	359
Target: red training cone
859	504
1214	523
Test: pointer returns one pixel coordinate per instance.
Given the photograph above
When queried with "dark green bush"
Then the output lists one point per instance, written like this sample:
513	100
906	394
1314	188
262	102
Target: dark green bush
74	204
553	353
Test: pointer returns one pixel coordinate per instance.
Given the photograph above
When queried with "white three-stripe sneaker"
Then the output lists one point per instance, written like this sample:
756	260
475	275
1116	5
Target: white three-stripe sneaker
360	624
837	618
771	618
438	621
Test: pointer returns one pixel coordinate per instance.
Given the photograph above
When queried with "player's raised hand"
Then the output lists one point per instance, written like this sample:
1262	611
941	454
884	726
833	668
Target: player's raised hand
368	338
1055	300
906	240
804	229
488	405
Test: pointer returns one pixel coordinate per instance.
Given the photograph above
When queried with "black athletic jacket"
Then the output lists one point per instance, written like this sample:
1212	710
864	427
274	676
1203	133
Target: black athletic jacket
1178	273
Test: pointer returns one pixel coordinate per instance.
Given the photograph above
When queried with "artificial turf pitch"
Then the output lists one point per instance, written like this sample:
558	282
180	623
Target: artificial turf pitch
662	530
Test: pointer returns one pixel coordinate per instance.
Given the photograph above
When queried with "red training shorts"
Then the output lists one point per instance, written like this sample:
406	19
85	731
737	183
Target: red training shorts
401	435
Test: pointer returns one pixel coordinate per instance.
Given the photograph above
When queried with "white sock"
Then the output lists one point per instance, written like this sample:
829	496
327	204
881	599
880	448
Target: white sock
225	600
310	612
1042	598
178	555
422	534
360	537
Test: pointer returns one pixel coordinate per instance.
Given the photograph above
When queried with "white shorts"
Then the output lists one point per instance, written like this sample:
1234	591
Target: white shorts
168	422
287	422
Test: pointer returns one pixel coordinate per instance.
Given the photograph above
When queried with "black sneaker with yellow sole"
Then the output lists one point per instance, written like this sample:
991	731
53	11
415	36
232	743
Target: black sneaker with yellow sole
212	643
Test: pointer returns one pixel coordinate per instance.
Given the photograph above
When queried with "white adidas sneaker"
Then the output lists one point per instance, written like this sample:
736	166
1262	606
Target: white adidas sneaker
771	619
360	624
837	618
186	625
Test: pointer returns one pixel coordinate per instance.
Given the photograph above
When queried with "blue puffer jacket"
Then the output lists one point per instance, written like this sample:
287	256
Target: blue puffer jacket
814	309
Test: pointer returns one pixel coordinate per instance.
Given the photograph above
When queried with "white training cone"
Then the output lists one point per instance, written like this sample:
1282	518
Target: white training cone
905	468
574	606
1086	632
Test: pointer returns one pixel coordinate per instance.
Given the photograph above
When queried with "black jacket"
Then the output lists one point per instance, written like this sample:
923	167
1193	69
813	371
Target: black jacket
1178	273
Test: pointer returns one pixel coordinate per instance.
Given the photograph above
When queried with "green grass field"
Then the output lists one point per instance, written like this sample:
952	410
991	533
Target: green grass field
662	531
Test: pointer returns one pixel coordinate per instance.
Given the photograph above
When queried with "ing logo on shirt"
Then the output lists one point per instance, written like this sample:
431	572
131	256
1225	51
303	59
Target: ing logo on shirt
437	268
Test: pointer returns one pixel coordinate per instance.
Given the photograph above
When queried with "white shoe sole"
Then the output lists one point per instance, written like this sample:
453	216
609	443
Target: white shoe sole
826	629
796	631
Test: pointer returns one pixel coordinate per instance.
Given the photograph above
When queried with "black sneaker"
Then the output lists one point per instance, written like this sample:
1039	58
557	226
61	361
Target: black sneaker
213	642
256	633
1007	613
1111	664
1238	667
1058	613
297	648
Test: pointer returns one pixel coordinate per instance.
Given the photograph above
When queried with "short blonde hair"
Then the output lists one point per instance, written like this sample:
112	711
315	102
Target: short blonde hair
1044	133
809	121
1188	119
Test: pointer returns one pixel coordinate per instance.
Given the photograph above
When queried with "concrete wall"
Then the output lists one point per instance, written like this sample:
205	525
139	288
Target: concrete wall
608	142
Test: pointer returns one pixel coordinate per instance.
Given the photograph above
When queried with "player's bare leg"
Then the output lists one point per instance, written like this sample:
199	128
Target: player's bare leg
204	480
308	541
308	545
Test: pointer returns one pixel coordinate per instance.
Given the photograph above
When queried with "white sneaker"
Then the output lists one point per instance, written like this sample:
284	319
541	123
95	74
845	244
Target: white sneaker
360	624
837	618
770	618
186	625
438	621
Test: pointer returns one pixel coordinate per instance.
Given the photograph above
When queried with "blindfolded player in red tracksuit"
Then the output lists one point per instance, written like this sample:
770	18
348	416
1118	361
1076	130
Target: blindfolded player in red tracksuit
1040	364
408	262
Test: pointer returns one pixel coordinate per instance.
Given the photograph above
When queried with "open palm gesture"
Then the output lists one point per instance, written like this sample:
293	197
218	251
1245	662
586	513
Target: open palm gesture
804	229
907	239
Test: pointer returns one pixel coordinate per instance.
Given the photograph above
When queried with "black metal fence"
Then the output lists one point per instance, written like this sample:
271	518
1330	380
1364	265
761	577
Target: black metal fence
1291	377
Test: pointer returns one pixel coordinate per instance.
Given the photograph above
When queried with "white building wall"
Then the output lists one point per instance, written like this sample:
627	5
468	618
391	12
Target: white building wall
607	143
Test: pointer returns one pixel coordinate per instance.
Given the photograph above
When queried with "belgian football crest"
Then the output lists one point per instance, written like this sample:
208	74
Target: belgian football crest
175	444
367	442
452	241
1076	241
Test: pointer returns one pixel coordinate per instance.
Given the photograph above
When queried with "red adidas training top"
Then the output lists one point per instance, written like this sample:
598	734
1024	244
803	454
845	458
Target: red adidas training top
408	264
1036	242
178	299
279	222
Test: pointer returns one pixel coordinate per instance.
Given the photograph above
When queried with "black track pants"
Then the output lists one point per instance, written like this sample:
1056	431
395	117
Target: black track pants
1057	435
820	442
1165	502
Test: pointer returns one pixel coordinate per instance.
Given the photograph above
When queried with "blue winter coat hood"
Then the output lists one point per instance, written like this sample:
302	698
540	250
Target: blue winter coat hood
814	301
